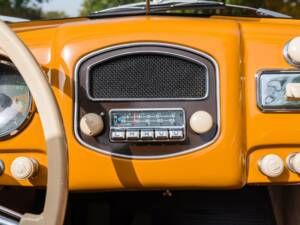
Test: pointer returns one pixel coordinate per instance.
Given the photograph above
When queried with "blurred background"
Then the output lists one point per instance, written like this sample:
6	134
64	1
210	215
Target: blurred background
53	9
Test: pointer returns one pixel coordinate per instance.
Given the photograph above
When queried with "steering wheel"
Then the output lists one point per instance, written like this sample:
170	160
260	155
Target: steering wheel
57	152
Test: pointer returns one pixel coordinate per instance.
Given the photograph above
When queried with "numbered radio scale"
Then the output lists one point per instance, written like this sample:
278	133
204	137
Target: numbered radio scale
147	125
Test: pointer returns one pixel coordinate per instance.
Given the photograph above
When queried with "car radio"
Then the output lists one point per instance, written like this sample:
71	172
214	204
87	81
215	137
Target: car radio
151	125
146	100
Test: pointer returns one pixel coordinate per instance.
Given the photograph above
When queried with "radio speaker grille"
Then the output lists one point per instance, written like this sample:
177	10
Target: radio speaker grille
148	76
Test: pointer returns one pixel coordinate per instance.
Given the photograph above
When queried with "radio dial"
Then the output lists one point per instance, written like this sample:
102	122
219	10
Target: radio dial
201	122
91	124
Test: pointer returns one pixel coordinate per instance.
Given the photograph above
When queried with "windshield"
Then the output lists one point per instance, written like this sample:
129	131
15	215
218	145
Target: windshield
17	10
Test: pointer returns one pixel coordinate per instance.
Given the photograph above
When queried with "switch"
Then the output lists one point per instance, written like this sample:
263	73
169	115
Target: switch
161	134
293	91
293	162
201	122
118	135
176	134
91	124
147	134
271	165
292	51
133	134
24	168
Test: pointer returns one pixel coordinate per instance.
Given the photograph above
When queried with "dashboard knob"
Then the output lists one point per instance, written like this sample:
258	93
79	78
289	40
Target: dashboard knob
201	122
91	124
23	168
293	162
292	51
271	165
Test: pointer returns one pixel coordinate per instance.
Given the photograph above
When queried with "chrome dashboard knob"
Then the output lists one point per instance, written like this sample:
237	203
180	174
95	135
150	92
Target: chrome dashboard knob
293	162
292	52
201	122
23	168
271	165
91	124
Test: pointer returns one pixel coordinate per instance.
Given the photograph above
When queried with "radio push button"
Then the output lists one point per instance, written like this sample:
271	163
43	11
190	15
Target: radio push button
147	134
176	134
133	134
161	134
118	135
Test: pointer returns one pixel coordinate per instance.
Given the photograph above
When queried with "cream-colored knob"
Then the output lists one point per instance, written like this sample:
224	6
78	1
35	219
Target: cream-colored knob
293	50
293	162
91	124
24	168
271	165
201	122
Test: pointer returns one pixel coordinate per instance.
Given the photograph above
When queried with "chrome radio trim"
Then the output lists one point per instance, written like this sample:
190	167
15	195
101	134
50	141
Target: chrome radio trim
258	91
187	151
145	99
183	127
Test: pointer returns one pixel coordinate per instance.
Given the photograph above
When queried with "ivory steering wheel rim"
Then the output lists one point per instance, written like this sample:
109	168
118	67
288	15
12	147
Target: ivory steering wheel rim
52	123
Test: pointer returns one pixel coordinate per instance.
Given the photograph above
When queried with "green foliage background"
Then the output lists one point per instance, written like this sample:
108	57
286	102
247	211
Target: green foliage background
31	9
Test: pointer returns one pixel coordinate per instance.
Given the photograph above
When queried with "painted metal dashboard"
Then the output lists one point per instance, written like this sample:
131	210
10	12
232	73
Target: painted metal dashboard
240	47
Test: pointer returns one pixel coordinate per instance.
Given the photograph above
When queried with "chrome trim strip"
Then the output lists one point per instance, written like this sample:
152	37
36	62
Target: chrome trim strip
6	221
10	212
145	99
208	57
258	91
12	132
287	57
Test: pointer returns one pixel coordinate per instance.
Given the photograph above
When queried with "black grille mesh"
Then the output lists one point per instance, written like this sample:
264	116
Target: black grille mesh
147	76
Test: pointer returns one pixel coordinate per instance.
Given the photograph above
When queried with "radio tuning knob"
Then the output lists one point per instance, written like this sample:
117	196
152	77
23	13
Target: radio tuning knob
293	162
271	165
201	122
91	124
23	168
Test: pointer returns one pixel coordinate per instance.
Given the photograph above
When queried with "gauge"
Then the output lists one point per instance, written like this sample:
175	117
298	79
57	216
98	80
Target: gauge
15	100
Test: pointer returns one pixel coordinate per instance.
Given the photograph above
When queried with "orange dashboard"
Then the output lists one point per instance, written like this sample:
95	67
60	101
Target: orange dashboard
239	49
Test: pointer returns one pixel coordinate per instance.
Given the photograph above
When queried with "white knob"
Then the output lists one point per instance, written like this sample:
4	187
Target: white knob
293	50
201	122
271	165
24	168
91	124
293	162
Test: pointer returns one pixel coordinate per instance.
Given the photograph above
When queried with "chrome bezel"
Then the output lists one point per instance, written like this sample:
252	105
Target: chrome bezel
144	99
12	132
258	91
182	127
187	151
287	57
